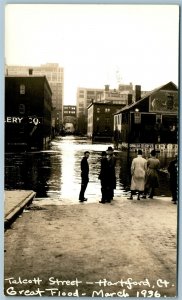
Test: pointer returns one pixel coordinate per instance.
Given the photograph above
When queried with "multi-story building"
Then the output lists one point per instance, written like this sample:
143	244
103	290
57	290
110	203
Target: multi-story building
69	111
115	96
125	88
55	77
69	118
84	97
101	120
124	95
28	105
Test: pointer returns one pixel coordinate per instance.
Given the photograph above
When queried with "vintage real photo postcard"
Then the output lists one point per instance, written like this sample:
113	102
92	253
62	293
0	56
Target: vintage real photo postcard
91	97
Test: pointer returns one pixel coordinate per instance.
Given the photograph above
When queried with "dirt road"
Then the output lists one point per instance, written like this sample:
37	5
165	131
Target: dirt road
126	248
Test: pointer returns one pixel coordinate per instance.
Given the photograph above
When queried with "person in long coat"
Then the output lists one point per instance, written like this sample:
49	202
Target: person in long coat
173	171
138	172
112	173
104	177
152	178
84	176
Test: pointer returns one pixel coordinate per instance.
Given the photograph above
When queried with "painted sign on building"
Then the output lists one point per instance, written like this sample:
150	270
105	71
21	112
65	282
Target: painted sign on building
20	120
164	101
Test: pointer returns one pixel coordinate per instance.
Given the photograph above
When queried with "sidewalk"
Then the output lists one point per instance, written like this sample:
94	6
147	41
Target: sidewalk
15	201
97	245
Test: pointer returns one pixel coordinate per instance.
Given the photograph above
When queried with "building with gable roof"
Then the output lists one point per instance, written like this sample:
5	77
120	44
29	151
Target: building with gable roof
151	120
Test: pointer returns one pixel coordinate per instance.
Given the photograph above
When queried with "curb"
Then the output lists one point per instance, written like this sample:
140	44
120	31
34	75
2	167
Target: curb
16	210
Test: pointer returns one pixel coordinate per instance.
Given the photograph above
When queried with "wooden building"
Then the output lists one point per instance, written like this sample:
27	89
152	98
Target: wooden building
152	119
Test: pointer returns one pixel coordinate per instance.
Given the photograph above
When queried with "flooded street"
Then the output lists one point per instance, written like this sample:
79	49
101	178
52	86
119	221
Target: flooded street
55	173
90	241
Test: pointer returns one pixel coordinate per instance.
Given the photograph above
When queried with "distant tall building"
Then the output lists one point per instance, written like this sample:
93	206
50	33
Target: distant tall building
69	118
126	88
84	97
55	77
116	96
125	94
69	111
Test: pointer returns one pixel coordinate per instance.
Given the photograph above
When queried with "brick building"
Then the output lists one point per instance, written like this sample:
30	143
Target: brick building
28	106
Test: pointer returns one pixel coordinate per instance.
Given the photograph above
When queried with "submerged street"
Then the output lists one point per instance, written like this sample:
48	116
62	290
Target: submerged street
55	173
55	248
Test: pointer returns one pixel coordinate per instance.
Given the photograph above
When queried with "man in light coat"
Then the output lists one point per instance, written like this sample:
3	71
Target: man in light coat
138	172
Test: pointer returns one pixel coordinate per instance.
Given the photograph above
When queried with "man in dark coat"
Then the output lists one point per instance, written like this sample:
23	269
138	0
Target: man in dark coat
173	171
112	175
84	175
104	177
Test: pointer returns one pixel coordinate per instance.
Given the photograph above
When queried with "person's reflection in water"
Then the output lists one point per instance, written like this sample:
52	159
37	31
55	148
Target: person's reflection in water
43	173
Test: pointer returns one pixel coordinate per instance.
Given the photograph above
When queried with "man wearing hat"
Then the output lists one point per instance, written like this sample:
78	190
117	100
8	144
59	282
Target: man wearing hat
112	176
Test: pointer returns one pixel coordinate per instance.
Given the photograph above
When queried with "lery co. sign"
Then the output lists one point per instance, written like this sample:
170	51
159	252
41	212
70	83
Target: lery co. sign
19	120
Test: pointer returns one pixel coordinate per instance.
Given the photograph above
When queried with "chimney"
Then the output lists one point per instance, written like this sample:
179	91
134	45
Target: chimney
107	87
30	71
129	99
137	92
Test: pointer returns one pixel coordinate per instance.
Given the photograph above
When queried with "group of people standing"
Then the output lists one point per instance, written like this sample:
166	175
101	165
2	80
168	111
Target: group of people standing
144	176
107	175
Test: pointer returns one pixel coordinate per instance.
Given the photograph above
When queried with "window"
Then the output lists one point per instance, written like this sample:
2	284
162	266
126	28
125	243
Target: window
115	120
81	94
22	89
98	110
107	110
97	119
22	109
54	77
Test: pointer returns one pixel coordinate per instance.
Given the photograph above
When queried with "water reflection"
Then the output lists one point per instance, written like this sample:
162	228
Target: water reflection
71	152
56	173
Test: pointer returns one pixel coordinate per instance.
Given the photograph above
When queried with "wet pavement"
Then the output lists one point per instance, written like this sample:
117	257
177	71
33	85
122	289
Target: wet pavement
54	174
87	241
123	240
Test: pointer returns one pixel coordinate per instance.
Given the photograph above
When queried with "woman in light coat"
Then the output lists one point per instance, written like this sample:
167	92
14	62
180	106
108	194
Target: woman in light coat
138	172
152	178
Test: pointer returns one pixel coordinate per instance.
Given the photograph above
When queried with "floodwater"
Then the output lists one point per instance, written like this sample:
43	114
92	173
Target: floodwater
55	173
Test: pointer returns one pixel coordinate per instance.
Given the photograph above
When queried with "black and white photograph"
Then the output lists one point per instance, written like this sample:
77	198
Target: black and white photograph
91	150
